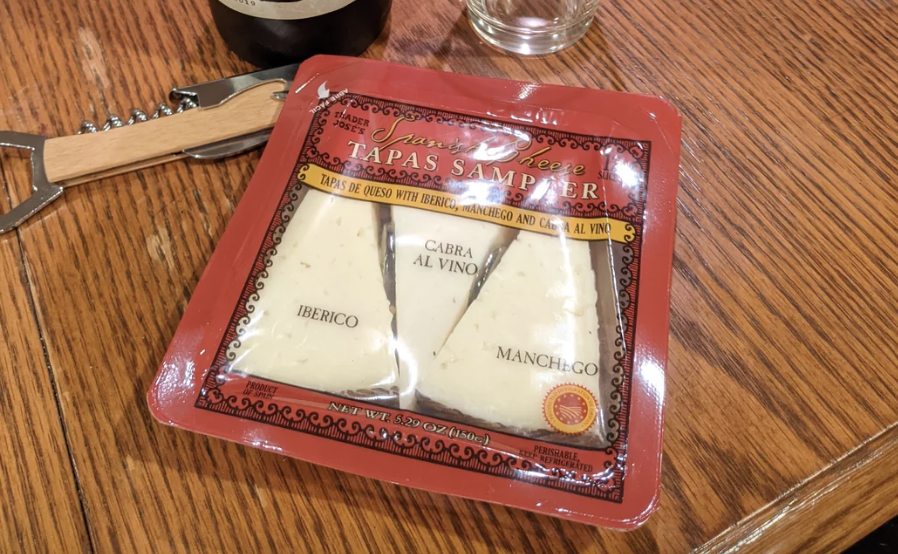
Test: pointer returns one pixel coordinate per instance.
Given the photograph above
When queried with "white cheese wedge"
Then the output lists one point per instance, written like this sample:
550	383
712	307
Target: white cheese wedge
541	300
323	320
438	259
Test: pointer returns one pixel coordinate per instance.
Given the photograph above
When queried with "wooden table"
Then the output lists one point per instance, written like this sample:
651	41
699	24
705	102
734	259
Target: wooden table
783	377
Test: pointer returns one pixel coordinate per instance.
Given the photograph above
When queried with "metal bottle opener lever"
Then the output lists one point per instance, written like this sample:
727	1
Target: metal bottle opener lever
214	120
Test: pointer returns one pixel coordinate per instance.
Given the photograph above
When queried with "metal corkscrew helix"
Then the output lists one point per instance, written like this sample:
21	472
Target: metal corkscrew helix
138	116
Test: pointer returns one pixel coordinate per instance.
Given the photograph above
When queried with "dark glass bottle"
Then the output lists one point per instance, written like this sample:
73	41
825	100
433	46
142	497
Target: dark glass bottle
271	33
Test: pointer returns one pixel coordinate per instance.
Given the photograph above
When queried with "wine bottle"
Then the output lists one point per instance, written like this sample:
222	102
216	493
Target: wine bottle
271	33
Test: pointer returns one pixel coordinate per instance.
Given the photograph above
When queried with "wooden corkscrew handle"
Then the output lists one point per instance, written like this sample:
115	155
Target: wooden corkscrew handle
76	159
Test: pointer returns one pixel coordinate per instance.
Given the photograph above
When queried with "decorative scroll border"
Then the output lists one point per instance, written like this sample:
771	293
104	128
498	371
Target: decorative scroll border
607	484
411	445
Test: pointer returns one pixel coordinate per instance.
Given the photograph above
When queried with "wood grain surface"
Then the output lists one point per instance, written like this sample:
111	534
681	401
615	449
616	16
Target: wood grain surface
782	386
39	502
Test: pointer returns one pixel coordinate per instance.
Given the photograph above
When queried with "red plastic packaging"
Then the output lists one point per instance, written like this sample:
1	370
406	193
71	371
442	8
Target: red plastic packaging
447	282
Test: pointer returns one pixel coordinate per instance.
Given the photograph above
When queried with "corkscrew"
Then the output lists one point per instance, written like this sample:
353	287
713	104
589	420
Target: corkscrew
137	116
205	121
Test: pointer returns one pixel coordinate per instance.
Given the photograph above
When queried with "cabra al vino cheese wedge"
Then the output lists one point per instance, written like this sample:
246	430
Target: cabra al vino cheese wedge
438	260
448	282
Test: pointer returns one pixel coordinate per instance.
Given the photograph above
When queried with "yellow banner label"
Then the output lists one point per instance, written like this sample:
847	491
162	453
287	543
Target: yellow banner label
600	228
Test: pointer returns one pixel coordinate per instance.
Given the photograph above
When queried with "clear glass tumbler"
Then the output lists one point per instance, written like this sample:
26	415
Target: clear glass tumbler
531	27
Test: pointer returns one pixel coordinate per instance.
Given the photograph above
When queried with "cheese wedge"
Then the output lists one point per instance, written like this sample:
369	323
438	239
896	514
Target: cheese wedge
533	327
322	319
438	259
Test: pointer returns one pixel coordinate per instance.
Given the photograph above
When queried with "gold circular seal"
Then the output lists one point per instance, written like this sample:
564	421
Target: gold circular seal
570	409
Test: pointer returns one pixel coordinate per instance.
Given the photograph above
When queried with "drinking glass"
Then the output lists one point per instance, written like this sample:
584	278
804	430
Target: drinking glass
531	27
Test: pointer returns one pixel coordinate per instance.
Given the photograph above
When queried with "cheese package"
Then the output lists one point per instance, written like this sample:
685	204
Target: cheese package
449	282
